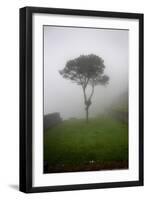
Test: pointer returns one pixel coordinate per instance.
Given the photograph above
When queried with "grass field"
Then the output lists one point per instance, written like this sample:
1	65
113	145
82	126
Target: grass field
74	145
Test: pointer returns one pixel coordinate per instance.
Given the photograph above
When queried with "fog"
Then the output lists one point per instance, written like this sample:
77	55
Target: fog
64	43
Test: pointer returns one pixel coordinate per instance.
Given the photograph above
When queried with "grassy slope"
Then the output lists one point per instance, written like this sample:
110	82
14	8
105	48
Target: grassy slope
76	143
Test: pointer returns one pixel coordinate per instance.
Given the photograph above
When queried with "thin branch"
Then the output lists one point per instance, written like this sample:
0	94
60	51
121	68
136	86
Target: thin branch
84	92
92	92
87	82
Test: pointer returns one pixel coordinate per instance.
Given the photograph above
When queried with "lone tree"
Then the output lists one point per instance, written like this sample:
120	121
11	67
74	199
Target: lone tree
86	70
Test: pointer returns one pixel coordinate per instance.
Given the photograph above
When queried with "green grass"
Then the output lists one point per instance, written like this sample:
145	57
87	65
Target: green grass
74	142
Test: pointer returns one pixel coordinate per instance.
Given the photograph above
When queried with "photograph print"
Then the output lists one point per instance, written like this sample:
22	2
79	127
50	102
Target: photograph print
81	99
85	92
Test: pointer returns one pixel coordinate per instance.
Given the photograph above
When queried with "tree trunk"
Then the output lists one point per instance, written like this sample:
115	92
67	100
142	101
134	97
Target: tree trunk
87	114
87	102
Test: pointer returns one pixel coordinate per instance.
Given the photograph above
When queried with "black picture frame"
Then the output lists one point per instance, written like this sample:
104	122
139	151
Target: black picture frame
26	90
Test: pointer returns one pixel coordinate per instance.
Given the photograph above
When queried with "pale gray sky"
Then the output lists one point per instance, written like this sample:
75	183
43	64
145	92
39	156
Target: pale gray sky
64	43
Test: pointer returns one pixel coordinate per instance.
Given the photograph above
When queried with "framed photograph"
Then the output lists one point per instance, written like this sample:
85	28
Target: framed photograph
81	99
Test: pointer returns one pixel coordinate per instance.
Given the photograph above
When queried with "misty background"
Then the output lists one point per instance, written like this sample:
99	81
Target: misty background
64	43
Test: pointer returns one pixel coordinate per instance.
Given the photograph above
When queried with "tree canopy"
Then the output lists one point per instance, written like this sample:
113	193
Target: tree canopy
86	69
